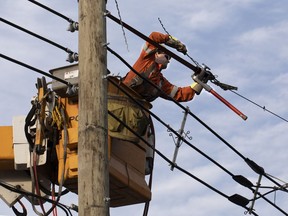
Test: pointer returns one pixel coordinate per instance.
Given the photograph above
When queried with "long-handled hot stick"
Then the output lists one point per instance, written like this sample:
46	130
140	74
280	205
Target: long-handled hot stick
244	117
209	89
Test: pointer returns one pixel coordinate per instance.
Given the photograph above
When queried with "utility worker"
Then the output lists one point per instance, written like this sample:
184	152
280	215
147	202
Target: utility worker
150	64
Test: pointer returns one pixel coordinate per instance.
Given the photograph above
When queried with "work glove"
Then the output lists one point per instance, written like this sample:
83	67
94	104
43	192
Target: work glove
196	87
181	48
203	76
178	45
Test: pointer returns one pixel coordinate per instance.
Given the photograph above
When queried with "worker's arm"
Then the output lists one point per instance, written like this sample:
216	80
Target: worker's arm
164	39
175	43
157	37
180	94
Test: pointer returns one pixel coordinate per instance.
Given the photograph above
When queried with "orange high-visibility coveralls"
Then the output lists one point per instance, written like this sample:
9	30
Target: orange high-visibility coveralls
146	66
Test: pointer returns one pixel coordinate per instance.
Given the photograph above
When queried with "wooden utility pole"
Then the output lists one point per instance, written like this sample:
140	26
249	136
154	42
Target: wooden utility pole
93	183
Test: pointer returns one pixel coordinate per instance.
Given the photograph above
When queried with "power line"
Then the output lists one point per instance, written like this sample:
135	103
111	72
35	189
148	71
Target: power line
62	80
236	199
252	164
51	10
189	144
29	194
73	25
262	107
36	35
34	69
65	82
216	81
173	55
144	37
72	55
193	60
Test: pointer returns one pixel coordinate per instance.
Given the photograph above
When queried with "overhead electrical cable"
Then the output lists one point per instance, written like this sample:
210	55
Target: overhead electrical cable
176	102
60	80
236	199
236	178
176	133
51	10
144	37
224	86
73	24
171	129
24	213
65	81
34	69
37	36
262	107
29	194
193	60
252	164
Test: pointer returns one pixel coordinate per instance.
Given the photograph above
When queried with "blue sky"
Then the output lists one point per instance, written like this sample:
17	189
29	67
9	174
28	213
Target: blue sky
245	45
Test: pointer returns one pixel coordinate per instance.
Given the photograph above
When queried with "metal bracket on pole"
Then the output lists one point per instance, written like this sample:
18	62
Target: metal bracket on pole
179	140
